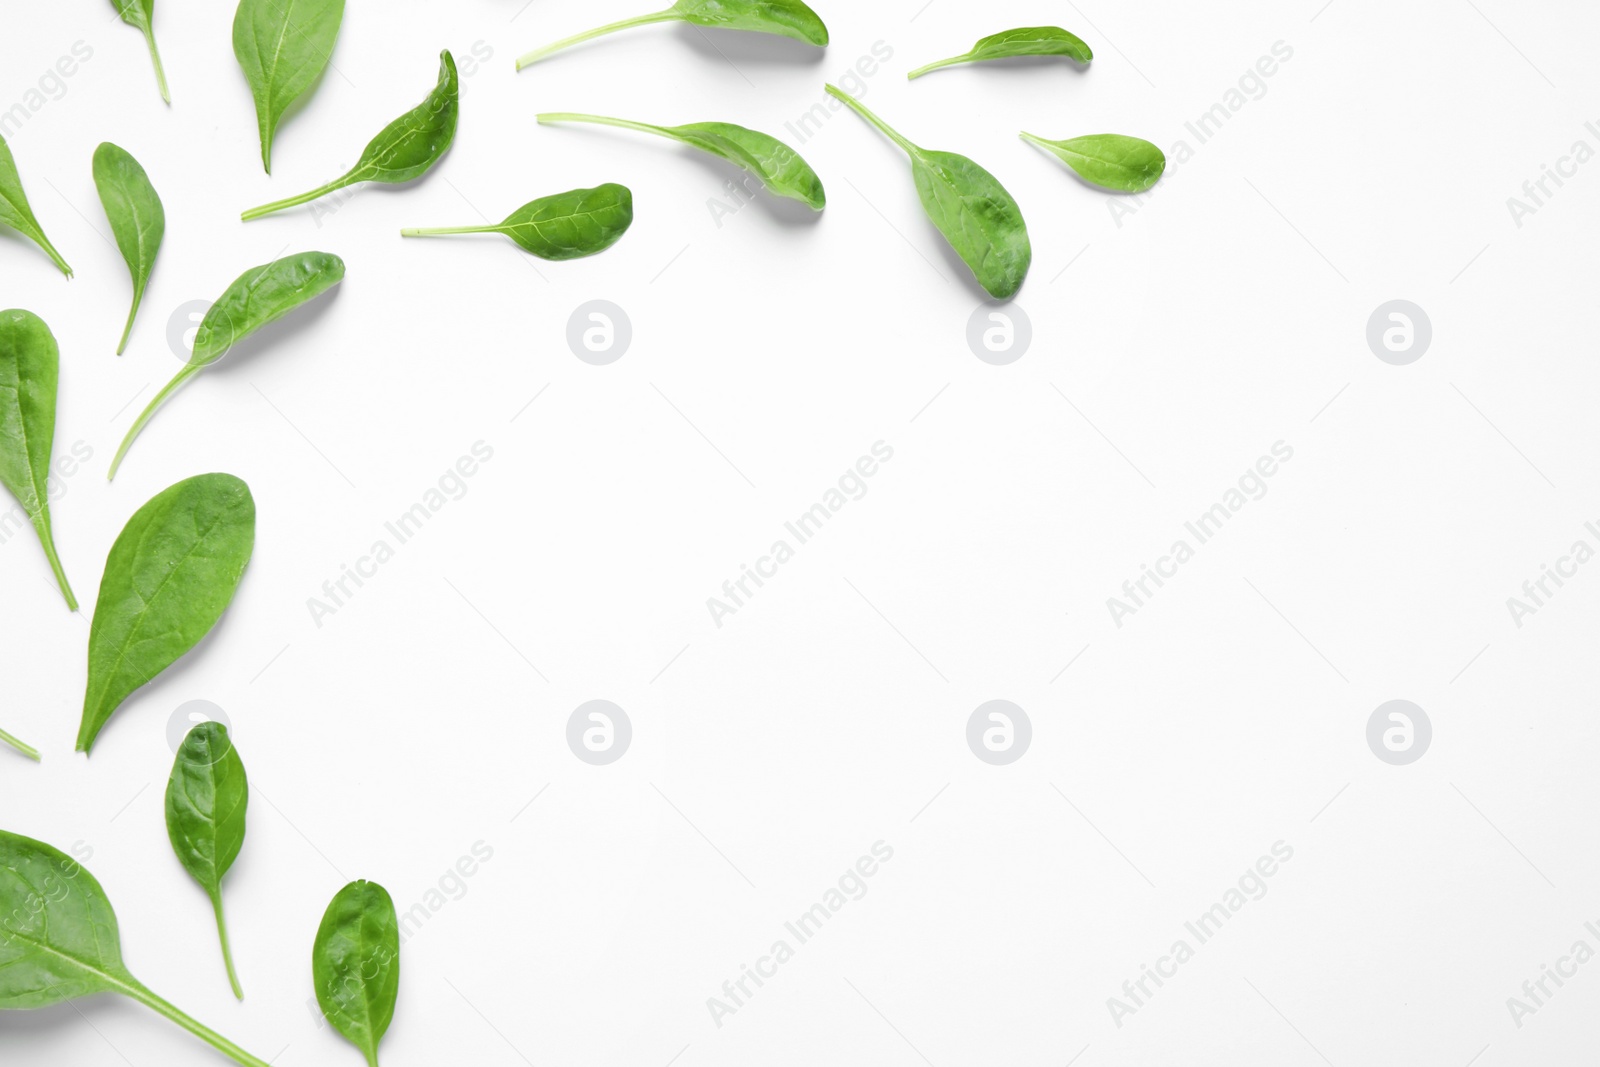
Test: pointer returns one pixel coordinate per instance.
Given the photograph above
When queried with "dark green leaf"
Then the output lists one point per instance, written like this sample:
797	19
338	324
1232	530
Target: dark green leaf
14	209
571	225
207	795
138	221
404	150
355	964
1028	41
283	46
258	296
1109	160
779	167
785	18
169	577
980	219
141	15
59	939
29	369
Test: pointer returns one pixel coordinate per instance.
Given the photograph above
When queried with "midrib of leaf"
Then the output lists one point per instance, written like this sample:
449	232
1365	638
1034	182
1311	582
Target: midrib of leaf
590	215
115	980
40	493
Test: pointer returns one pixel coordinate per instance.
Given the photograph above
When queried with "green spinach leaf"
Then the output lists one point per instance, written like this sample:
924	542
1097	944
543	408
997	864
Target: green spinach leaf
1028	41
169	577
138	221
256	298
27	750
59	940
29	370
779	167
785	18
207	795
1109	160
14	209
583	222
404	150
141	15
355	964
982	222
283	46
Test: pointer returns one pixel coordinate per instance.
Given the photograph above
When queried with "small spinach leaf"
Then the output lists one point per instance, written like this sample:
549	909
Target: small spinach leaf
14	209
141	15
61	940
256	298
1109	160
404	150
779	167
283	46
785	18
27	750
583	222
29	370
355	964
207	795
138	221
1028	41
169	577
980	219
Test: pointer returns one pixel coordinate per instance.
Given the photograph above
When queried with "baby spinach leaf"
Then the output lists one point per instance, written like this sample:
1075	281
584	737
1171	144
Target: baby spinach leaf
27	750
1028	41
207	795
258	296
170	575
786	18
14	209
355	964
283	46
138	221
140	14
1109	160
571	225
779	167
29	369
982	222
61	941
404	150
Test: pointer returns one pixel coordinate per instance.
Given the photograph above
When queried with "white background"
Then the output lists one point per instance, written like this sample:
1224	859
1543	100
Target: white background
1170	352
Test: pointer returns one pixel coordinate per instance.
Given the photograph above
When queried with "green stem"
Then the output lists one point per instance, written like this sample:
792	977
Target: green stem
171	387
952	61
41	524
127	331
138	992
227	950
441	231
602	120
27	750
50	250
155	56
861	109
295	201
626	24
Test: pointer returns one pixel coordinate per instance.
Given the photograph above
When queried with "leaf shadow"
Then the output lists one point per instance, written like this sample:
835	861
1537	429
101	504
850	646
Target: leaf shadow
283	333
743	46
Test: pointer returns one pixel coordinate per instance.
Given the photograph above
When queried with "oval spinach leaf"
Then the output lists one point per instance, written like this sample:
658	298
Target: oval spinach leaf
404	150
583	222
27	750
257	297
207	795
786	18
1109	160
980	219
779	167
61	940
141	15
283	46
138	221
170	575
14	209
1028	41
355	964
29	370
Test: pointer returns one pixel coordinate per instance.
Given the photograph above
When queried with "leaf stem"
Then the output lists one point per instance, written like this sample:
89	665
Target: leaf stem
441	231
567	42
952	61
149	412
601	120
296	201
41	524
227	950
138	992
27	750
127	331
155	56
861	109
50	250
